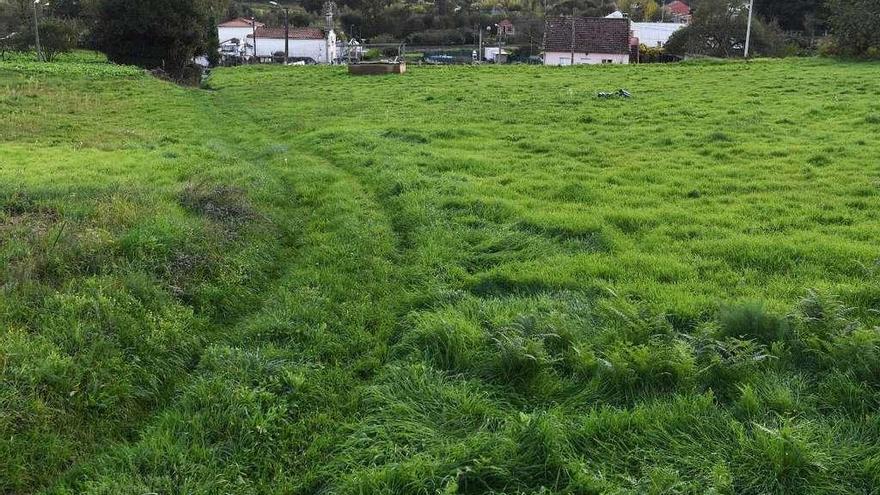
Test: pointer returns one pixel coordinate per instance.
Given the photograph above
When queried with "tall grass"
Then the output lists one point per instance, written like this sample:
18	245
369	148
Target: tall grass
460	280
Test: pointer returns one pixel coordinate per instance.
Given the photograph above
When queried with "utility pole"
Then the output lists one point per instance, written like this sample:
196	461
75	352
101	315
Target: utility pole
286	35
749	29
498	33
286	30
254	28
37	31
480	43
572	35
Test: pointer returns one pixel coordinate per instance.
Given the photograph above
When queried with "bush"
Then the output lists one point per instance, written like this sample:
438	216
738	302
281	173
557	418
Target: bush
57	36
155	33
854	27
438	37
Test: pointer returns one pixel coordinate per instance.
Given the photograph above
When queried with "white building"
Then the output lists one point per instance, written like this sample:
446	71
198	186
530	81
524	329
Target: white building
304	43
655	34
597	40
651	34
233	36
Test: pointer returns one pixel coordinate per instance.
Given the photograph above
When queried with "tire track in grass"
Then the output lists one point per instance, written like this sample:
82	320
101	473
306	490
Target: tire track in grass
263	408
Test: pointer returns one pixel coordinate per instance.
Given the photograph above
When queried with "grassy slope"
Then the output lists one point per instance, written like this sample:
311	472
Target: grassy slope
461	279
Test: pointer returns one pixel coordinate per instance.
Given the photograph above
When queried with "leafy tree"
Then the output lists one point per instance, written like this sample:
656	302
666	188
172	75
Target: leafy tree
66	8
855	26
238	9
640	10
57	36
157	33
793	15
13	16
597	8
718	29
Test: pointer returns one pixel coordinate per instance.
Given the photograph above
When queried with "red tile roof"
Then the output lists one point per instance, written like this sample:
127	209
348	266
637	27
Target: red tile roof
592	35
299	33
505	23
240	22
678	7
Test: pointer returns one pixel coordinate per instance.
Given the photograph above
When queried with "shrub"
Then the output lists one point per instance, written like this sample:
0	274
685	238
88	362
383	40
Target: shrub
154	33
372	54
854	27
57	36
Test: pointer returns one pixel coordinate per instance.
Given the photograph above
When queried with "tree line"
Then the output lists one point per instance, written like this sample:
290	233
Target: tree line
782	27
167	34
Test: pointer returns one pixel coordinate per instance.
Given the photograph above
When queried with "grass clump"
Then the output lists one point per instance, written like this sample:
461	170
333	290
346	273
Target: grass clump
751	320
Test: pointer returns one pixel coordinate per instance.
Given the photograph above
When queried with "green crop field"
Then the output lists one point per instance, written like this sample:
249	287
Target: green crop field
459	280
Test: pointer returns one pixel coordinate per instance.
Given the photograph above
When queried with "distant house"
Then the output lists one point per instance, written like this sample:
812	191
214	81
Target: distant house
652	34
506	28
678	11
237	29
233	36
655	34
597	40
304	42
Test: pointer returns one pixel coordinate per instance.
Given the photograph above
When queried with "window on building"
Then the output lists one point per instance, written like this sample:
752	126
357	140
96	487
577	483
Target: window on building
565	61
607	61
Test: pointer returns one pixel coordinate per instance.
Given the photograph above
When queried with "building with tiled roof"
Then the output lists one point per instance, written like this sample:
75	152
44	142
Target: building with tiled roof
678	11
597	40
304	43
240	22
296	33
506	28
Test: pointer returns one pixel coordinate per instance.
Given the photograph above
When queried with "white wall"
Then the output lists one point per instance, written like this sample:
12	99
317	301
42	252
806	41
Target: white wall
491	53
654	34
316	49
227	33
564	58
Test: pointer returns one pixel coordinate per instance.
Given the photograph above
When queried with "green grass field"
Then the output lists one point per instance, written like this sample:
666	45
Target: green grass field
459	280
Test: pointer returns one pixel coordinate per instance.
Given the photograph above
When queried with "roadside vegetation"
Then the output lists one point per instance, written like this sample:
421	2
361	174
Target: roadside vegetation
459	280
